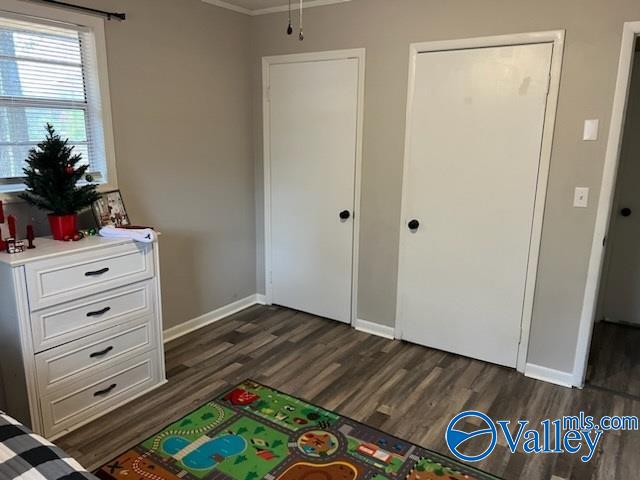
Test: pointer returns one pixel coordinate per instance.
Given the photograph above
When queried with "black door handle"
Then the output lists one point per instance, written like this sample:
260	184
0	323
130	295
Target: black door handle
95	273
345	214
98	312
625	212
413	224
101	353
106	391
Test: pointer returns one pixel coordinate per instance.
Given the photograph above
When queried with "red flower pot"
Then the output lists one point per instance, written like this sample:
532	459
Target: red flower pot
63	227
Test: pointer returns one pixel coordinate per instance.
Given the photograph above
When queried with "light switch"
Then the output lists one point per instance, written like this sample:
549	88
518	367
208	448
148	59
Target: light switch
591	130
581	197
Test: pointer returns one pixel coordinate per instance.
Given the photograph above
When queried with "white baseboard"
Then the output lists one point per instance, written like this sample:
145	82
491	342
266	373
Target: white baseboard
261	299
549	375
374	328
211	317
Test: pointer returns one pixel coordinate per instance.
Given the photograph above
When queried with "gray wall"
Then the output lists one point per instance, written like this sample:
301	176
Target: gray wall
179	73
385	28
181	90
185	77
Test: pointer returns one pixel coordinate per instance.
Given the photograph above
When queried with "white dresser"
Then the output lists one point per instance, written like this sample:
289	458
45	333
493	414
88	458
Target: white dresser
80	330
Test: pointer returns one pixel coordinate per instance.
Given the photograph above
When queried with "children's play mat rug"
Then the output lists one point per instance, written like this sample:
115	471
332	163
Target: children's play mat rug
254	432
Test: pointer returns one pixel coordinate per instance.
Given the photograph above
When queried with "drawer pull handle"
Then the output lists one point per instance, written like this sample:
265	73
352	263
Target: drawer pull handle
97	313
106	391
95	273
101	353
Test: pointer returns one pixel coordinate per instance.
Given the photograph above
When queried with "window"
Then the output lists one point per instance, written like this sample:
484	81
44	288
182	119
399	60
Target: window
48	74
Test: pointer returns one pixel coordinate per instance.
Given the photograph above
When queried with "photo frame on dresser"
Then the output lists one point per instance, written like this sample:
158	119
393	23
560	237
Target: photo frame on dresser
109	210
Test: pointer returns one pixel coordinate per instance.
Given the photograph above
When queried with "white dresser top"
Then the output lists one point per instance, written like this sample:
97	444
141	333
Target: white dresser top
48	248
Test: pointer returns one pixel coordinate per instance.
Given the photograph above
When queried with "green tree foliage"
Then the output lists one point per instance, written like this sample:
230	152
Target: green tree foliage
51	176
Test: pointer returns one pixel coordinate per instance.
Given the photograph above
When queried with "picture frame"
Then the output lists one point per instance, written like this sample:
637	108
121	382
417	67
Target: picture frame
109	210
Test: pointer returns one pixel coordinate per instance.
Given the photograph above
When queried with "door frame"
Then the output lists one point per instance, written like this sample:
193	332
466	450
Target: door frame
631	31
556	37
355	53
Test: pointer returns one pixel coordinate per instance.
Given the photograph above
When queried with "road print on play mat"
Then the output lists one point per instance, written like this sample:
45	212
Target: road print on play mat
254	432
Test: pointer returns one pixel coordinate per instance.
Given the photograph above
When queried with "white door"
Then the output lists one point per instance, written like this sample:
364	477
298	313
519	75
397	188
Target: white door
473	157
313	133
621	302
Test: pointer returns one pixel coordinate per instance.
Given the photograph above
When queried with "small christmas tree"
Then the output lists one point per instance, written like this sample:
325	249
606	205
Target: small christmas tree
51	176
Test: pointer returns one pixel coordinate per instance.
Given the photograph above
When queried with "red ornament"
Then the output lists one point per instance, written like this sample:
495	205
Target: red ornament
69	170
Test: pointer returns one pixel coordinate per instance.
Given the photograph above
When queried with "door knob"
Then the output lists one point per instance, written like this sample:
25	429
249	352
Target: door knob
625	212
344	214
413	224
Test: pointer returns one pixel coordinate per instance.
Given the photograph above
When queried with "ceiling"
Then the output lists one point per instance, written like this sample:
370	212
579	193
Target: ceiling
262	7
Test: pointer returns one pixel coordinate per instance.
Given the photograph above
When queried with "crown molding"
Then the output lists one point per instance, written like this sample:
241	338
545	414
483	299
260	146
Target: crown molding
228	6
265	11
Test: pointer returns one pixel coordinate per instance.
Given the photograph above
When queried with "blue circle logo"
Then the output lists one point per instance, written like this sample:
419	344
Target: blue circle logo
456	438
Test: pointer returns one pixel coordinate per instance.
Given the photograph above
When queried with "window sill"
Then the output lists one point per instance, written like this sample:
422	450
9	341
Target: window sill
12	197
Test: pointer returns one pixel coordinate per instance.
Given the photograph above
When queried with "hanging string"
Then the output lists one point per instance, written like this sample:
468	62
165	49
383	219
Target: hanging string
290	27
301	36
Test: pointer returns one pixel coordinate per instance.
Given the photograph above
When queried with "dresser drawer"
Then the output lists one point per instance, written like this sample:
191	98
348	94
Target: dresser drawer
84	400
60	365
61	279
56	325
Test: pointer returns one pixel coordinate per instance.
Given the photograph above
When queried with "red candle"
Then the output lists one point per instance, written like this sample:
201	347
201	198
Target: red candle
1	213
11	220
30	236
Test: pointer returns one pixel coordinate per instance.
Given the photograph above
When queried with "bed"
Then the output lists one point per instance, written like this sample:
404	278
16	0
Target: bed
27	456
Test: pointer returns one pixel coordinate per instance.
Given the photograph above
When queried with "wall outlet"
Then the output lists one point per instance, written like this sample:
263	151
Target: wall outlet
591	128
581	197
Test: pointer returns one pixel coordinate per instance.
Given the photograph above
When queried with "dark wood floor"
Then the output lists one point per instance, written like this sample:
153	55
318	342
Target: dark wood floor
614	361
404	389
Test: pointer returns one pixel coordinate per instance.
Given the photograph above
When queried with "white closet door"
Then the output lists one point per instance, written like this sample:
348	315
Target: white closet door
313	120
474	152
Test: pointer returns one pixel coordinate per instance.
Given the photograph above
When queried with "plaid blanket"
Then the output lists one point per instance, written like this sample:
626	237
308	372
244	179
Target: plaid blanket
27	456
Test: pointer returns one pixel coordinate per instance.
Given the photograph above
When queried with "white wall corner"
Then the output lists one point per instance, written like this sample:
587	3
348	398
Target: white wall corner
212	317
374	329
546	374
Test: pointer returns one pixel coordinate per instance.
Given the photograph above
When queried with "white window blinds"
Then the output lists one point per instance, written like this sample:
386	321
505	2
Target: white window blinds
48	74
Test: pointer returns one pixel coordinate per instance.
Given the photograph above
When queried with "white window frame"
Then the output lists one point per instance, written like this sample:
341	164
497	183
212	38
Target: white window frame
96	25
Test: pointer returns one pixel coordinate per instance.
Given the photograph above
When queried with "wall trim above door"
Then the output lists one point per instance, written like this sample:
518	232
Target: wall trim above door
631	31
359	54
556	37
